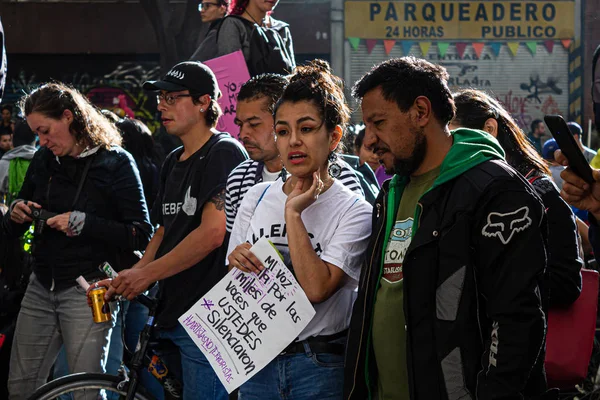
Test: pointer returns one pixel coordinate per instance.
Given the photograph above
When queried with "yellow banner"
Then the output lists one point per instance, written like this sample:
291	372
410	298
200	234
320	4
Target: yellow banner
460	20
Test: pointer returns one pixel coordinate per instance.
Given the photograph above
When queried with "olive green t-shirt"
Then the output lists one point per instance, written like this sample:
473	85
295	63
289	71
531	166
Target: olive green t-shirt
389	331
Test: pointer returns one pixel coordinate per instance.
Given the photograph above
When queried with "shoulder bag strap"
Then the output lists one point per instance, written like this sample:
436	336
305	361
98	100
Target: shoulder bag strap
88	163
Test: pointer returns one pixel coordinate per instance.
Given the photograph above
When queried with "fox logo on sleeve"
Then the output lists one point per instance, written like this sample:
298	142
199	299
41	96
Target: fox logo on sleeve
504	226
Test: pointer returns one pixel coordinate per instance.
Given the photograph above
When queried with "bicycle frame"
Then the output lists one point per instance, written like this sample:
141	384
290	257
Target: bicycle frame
141	359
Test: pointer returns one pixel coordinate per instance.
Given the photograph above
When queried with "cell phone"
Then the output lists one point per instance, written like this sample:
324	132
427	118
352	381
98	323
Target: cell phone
568	145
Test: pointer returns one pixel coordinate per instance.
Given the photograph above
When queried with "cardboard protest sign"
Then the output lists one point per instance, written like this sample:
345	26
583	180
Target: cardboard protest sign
231	72
246	320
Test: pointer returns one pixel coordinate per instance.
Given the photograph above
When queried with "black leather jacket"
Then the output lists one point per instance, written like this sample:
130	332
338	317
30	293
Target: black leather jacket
474	320
116	215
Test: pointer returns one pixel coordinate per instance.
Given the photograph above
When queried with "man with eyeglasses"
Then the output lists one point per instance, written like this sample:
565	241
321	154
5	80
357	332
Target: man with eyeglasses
212	12
186	255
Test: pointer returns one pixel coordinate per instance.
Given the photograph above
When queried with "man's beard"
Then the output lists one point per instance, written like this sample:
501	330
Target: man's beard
406	166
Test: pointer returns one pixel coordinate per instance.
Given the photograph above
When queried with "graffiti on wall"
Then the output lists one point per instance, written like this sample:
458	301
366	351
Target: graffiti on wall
528	87
119	90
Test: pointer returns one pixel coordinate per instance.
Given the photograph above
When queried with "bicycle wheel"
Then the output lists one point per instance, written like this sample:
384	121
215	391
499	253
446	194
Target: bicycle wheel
86	386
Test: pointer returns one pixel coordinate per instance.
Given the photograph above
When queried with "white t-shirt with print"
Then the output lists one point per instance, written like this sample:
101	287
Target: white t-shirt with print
339	227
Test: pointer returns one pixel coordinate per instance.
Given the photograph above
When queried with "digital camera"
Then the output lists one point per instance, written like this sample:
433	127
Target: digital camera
40	216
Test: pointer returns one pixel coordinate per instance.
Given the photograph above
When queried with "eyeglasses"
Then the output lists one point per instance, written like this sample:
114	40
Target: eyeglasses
171	98
206	6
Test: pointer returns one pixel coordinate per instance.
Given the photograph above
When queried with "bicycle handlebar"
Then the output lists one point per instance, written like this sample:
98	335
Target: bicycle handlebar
150	303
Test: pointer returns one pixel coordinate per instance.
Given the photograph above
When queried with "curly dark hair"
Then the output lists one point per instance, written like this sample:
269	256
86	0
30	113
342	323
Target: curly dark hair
315	83
270	86
89	126
404	79
474	107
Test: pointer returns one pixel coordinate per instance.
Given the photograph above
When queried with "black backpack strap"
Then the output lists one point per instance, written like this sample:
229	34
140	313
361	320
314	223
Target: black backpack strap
249	25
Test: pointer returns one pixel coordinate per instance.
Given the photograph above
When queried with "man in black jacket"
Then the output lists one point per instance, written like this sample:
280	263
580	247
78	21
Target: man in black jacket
448	304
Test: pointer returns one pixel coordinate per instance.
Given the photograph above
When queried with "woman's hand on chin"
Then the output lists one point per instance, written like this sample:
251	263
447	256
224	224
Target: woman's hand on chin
300	199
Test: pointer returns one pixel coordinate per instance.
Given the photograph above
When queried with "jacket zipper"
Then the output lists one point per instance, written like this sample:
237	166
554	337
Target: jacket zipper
417	222
362	331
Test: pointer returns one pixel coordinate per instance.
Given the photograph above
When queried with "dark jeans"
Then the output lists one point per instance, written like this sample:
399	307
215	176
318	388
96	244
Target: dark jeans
199	379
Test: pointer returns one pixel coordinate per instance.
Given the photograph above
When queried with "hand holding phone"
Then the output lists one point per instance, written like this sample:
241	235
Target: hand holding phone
569	147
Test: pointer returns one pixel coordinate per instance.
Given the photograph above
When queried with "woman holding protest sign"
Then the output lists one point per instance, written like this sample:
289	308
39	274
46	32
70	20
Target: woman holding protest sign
320	227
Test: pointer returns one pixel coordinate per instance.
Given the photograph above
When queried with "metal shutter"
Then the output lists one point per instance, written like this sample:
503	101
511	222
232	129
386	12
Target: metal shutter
528	85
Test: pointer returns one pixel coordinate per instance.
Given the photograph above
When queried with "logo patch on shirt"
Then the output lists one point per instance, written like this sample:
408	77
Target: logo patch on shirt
400	239
189	203
504	226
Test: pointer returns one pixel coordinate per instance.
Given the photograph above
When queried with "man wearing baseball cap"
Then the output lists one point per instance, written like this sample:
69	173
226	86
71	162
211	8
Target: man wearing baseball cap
577	133
550	146
185	255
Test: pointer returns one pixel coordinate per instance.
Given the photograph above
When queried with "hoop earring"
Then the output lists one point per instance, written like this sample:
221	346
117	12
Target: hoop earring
283	174
334	169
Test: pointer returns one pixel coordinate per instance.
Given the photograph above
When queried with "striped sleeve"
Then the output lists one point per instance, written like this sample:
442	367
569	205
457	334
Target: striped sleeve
242	178
349	179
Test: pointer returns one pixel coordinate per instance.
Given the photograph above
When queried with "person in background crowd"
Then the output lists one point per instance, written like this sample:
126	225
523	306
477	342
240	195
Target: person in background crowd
8	124
248	21
6	143
437	227
577	132
254	116
365	155
366	163
477	110
538	128
365	175
550	146
138	141
212	12
186	255
384	157
584	196
16	161
318	212
92	187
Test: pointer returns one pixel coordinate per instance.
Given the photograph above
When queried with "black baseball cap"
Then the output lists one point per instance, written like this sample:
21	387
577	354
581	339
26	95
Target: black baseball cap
575	128
188	75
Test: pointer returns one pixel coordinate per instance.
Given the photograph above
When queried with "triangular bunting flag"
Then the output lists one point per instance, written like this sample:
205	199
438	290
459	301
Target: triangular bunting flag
424	48
460	48
566	43
388	45
443	48
478	47
406	46
496	48
354	42
549	45
532	46
513	47
371	44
